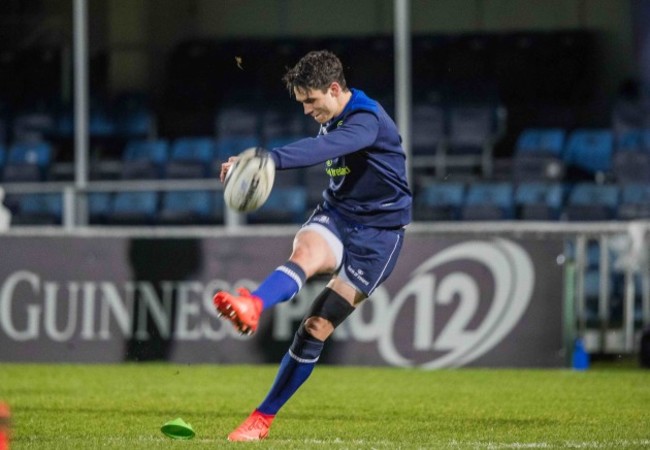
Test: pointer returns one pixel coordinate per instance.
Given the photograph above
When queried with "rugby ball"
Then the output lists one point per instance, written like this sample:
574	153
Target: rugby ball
249	180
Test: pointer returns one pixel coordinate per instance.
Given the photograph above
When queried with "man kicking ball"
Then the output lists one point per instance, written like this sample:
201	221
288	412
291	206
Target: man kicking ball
355	234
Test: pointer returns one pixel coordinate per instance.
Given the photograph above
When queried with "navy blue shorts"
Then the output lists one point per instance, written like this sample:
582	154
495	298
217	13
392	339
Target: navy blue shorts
365	256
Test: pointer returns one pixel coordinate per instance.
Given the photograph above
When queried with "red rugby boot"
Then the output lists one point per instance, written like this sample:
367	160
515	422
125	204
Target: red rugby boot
254	428
242	310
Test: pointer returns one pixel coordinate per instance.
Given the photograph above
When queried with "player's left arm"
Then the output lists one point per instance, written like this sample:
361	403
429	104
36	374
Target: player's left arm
358	131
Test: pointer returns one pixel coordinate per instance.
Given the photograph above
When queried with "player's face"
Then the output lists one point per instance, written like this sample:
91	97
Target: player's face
321	106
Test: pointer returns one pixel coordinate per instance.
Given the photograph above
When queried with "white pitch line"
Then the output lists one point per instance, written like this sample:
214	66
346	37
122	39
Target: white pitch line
620	443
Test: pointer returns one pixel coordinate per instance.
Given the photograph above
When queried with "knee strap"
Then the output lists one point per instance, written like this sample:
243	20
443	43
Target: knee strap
305	348
331	306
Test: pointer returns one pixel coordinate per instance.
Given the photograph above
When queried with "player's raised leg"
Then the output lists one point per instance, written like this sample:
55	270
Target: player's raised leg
311	254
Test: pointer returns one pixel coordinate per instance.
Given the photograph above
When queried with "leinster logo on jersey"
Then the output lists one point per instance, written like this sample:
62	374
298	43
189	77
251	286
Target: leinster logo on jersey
336	168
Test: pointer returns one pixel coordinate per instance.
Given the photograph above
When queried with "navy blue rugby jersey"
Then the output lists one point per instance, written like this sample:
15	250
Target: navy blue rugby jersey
364	158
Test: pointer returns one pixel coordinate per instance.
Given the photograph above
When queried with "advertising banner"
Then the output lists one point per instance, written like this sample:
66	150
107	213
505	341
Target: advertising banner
450	302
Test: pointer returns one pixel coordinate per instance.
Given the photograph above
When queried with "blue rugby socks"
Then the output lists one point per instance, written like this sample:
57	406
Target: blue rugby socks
281	285
296	366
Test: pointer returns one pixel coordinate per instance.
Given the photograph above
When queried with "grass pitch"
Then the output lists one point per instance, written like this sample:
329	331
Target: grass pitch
124	406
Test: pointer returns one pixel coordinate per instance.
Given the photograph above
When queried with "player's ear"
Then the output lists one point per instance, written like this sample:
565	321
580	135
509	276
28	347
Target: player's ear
335	89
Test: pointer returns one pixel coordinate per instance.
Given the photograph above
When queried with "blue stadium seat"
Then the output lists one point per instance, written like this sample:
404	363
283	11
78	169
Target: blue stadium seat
590	201
233	145
548	141
439	201
633	140
191	157
538	155
145	159
39	209
590	151
191	207
284	205
539	201
28	161
101	123
227	146
135	118
99	207
134	208
635	202
489	201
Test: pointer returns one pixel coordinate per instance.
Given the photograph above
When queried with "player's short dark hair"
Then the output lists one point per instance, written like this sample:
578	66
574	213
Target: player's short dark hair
316	70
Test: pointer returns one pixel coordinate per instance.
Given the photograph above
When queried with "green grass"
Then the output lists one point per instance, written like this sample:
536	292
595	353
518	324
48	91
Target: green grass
123	407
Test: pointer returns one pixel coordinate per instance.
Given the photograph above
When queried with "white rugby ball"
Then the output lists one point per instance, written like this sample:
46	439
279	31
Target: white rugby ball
249	180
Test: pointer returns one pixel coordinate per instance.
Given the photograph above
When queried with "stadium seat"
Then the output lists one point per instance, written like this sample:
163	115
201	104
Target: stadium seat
538	155
34	125
537	167
631	166
539	201
429	137
590	201
101	122
284	205
227	146
191	207
134	208
635	202
439	201
237	121
541	140
28	161
145	159
99	207
473	131
489	201
39	209
282	125
589	152
134	116
191	157
633	140
429	128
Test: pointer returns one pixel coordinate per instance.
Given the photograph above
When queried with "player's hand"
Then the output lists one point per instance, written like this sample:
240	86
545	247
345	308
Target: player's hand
226	166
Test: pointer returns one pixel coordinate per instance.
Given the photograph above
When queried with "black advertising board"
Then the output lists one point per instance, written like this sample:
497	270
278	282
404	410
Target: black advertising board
451	302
